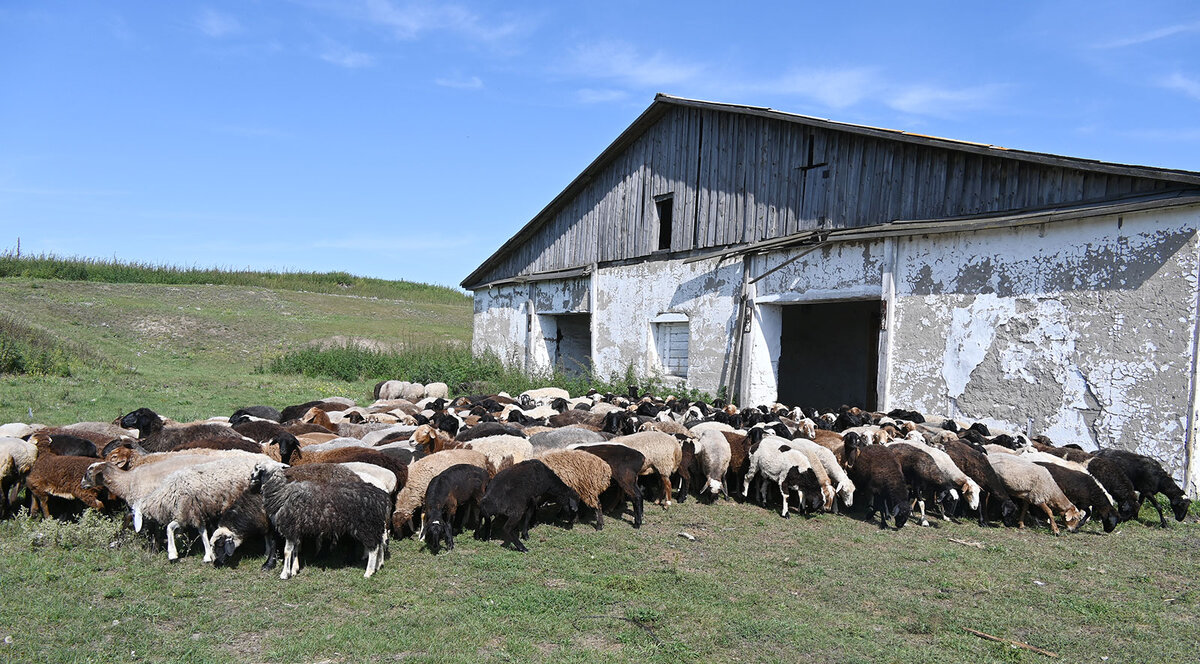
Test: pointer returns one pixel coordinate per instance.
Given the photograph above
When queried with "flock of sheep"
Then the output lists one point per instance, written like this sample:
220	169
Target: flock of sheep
416	463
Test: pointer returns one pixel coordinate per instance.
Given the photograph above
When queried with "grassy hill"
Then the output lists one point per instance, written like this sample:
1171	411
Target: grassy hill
192	350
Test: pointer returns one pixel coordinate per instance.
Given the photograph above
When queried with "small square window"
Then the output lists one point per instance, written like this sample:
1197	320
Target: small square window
671	341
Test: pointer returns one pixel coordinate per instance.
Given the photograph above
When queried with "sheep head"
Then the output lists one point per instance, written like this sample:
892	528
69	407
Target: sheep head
289	447
144	420
1180	505
224	543
1074	517
256	478
93	476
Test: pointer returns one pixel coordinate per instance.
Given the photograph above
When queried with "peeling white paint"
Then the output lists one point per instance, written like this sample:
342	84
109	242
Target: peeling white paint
971	332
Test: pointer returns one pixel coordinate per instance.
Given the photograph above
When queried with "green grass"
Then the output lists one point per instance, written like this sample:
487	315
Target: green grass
49	266
752	587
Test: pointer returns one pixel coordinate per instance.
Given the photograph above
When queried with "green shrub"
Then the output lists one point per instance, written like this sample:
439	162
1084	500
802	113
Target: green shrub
457	367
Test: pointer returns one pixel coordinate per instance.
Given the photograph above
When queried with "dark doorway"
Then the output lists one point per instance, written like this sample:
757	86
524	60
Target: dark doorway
829	354
574	343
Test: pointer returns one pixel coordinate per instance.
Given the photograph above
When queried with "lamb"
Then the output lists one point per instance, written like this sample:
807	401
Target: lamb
1033	485
420	473
713	453
626	464
663	453
876	471
247	517
1084	492
62	477
16	460
297	510
156	437
135	484
587	474
1149	478
515	494
819	454
975	464
496	448
195	496
461	486
788	468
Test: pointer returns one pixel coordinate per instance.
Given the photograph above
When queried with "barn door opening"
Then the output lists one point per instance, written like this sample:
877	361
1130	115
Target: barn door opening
570	347
829	354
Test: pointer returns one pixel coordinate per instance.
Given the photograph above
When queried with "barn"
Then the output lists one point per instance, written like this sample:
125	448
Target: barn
770	256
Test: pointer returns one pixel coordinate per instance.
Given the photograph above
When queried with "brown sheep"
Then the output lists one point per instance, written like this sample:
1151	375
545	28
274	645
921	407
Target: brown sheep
587	474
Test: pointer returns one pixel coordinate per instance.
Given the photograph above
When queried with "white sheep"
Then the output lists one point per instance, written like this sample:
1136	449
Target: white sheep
842	485
790	469
713	454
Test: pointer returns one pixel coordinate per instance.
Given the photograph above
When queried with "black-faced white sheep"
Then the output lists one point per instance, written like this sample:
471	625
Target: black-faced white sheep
515	494
1085	493
789	469
1149	478
975	464
323	510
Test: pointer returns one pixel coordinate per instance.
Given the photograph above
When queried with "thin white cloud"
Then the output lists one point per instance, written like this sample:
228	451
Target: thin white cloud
622	62
1180	83
460	83
835	88
937	101
217	24
593	96
409	20
342	56
1152	35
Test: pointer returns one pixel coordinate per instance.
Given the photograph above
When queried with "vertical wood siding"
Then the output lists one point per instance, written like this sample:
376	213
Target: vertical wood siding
738	178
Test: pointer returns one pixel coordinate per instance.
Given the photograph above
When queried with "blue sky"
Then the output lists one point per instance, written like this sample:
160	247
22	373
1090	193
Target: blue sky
410	139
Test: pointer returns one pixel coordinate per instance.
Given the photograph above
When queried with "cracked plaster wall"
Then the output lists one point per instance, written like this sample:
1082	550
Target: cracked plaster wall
1079	330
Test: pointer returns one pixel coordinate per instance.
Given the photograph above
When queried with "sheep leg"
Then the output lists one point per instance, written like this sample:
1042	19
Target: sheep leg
984	506
172	552
289	552
42	499
784	511
272	552
209	555
920	502
1024	511
1162	520
296	559
13	492
639	506
1050	515
371	559
666	482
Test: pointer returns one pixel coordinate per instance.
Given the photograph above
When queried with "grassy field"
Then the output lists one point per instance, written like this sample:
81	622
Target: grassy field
752	587
192	351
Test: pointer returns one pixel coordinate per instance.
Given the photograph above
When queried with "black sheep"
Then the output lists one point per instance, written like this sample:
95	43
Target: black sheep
1085	493
515	493
62	444
619	423
1117	484
459	487
1149	478
258	430
876	472
155	437
303	509
485	429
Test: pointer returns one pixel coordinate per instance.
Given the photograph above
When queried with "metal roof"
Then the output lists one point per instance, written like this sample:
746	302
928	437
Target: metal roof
663	102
